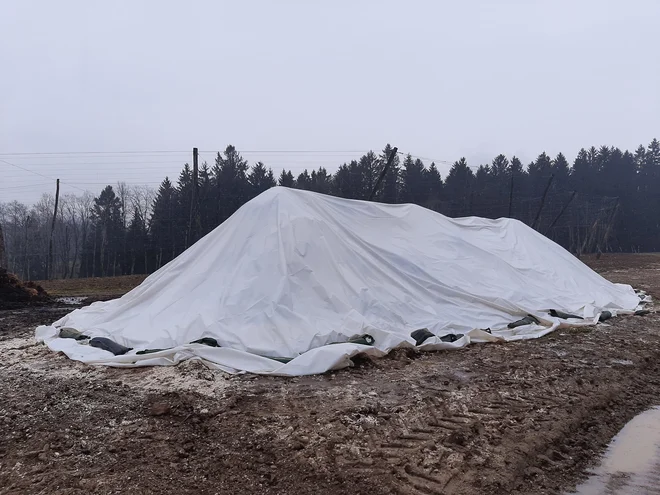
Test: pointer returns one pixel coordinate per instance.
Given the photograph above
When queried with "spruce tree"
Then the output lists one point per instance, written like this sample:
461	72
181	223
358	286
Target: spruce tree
163	224
229	178
458	188
286	179
260	179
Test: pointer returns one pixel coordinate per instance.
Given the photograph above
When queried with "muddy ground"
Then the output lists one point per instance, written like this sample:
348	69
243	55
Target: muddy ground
522	418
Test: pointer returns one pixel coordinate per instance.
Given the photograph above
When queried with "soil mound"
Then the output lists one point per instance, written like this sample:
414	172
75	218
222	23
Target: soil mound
14	293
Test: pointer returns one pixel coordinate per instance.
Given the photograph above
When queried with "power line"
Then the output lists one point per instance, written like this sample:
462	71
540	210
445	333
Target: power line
26	169
166	152
105	163
61	153
35	173
311	152
24	186
433	160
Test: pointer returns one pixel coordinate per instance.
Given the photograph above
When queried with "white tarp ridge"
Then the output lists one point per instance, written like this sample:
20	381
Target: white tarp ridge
293	274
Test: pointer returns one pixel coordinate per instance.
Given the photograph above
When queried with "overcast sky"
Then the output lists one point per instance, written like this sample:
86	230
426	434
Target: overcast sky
438	79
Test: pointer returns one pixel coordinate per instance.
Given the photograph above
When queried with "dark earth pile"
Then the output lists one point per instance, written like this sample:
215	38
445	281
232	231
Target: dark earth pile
14	293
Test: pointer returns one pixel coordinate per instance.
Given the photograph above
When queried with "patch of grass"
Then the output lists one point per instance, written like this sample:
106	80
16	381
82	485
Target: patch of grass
97	286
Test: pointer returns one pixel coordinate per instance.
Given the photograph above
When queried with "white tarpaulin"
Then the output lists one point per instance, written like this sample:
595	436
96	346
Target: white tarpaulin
295	274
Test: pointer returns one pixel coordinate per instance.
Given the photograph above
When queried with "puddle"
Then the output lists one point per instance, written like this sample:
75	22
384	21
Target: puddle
631	465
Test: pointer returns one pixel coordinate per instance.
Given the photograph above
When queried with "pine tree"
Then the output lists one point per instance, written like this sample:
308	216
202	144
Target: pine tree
229	177
561	169
649	188
458	188
539	172
184	192
207	199
413	181
138	242
286	179
103	251
341	183
516	188
500	166
304	181
434	188
260	179
321	181
582	173
500	186
367	172
163	224
358	187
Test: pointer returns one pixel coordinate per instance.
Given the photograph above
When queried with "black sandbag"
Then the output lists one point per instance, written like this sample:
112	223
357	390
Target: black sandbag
209	341
71	333
527	320
642	312
365	339
605	315
109	345
282	360
148	351
421	335
562	315
451	337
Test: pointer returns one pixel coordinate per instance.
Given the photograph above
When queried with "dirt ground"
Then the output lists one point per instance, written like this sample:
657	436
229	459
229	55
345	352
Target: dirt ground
521	418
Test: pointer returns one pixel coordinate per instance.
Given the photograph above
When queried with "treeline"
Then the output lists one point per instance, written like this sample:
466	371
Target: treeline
606	200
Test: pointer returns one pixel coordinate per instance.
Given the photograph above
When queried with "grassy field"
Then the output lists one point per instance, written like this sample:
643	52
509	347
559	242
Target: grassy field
106	286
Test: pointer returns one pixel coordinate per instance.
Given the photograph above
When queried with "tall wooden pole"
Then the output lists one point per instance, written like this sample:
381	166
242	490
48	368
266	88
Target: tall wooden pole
192	235
49	264
390	159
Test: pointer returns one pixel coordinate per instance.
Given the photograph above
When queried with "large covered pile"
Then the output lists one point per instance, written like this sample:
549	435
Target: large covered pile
14	293
297	282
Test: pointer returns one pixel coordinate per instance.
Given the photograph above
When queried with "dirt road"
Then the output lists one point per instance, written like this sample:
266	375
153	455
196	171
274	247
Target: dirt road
522	418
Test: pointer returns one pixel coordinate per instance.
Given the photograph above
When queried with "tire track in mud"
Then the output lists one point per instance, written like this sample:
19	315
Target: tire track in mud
435	446
415	444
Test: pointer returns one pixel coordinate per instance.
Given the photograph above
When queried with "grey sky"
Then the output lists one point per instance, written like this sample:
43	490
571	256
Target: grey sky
439	79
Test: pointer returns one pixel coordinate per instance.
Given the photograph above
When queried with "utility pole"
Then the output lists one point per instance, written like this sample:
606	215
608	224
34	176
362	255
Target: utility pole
192	236
390	159
49	264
